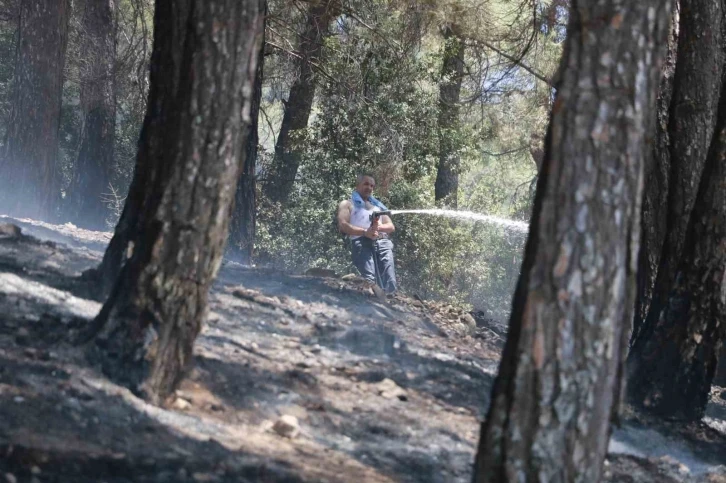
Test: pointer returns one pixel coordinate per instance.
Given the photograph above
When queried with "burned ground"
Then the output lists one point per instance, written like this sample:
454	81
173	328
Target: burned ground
382	389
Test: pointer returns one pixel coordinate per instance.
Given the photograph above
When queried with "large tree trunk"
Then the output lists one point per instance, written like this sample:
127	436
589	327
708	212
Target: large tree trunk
242	227
560	375
91	178
286	162
672	371
165	78
452	72
677	173
147	327
28	166
655	193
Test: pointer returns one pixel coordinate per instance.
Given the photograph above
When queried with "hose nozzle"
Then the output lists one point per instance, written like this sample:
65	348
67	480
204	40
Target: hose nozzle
377	214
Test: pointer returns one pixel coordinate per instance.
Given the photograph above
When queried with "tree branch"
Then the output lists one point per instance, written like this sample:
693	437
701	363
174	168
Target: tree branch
517	62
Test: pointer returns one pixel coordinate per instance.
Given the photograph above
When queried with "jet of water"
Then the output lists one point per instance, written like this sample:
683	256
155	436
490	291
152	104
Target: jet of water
519	226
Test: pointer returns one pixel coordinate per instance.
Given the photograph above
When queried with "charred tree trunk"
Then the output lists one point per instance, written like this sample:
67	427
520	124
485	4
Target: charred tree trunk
676	176
147	327
165	78
92	174
446	187
671	371
674	360
286	161
242	227
28	166
560	375
655	193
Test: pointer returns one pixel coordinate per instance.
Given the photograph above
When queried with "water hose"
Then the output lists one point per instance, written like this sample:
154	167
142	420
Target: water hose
377	214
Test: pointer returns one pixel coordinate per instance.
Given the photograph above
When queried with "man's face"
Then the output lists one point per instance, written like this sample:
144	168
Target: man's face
365	186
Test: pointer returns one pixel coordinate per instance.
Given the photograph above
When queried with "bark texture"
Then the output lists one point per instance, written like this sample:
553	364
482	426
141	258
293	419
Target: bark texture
90	183
671	371
147	327
165	78
446	186
655	194
244	217
676	176
28	165
286	161
560	375
674	368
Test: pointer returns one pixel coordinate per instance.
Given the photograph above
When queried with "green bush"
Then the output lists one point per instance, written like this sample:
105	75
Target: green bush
473	264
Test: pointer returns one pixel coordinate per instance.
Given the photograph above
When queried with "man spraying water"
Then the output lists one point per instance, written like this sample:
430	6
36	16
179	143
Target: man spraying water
361	219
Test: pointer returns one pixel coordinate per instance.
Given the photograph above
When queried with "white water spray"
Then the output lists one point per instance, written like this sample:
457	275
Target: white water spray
519	226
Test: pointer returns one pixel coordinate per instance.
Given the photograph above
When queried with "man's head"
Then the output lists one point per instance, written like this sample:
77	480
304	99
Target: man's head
365	185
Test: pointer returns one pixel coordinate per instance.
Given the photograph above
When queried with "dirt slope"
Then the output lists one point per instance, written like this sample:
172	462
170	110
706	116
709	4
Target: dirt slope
382	390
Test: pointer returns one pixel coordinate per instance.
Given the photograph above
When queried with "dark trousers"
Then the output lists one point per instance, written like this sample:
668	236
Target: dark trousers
374	261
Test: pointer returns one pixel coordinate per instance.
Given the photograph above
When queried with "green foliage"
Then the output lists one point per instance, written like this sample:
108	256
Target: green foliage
376	111
471	264
501	180
372	115
134	37
133	43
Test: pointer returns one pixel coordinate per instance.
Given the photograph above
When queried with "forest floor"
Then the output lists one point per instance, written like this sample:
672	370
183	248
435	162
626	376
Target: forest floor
296	379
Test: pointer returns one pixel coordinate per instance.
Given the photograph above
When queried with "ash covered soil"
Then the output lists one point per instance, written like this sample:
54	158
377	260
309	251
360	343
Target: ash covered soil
296	379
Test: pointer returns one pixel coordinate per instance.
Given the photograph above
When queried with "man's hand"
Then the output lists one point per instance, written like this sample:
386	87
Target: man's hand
372	231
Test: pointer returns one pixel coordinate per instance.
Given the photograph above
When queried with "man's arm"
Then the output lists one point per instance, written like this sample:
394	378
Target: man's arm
386	225
344	211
